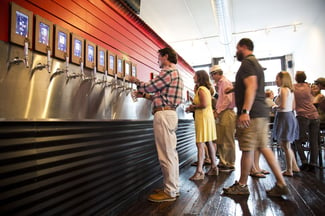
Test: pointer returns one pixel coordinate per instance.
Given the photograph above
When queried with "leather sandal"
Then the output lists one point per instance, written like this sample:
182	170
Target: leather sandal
285	173
213	171
257	174
197	176
265	172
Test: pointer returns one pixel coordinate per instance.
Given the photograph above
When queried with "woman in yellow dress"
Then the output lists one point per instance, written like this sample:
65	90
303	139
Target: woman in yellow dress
205	127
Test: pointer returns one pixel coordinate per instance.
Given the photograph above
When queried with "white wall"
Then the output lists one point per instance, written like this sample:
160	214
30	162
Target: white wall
310	55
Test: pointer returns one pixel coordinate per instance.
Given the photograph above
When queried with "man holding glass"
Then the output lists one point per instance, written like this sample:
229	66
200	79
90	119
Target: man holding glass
166	93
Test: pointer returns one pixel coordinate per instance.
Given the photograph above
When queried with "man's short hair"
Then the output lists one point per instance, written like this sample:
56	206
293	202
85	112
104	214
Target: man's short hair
247	42
172	55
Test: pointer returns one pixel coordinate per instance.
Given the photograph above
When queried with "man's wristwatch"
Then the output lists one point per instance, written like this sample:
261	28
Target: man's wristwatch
245	111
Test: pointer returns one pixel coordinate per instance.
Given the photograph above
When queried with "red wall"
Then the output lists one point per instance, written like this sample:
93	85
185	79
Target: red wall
105	22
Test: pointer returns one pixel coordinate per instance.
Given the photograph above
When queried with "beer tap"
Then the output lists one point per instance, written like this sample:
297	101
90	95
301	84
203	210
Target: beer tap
94	73
61	71
41	66
26	51
128	88
104	80
16	60
112	83
73	74
87	78
123	85
48	59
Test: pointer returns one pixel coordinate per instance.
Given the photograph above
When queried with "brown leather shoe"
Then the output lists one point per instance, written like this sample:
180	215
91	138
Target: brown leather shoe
158	190
161	197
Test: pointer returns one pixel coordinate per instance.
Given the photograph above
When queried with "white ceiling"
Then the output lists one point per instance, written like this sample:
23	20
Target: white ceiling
190	27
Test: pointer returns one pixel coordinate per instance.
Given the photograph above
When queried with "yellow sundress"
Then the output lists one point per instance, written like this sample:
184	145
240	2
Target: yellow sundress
205	126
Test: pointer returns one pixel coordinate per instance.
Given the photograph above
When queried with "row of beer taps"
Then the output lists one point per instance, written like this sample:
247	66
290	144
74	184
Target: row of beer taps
114	84
93	77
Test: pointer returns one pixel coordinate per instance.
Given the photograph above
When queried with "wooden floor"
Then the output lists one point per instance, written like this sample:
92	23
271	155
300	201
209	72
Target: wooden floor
307	195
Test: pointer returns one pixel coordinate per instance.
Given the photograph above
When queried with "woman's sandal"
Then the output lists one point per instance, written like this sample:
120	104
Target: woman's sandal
285	173
257	174
197	176
213	172
265	172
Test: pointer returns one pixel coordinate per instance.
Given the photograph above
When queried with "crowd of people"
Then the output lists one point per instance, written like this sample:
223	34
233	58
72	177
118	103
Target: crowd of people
296	113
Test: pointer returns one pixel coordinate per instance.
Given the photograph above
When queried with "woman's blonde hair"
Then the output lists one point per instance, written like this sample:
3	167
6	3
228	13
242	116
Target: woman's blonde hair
285	80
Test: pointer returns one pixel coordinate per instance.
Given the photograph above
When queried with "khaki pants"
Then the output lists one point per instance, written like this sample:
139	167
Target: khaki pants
226	137
165	125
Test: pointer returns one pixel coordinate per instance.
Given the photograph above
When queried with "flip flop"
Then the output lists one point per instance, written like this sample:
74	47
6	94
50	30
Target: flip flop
265	172
284	173
257	175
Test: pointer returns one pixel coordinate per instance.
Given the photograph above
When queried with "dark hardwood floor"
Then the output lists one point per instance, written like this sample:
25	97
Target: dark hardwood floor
307	195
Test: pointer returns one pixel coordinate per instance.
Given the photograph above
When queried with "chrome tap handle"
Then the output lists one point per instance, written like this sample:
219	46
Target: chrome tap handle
94	73
82	70
123	85
57	72
48	59
128	89
40	66
66	63
114	82
16	60
105	76
104	80
26	52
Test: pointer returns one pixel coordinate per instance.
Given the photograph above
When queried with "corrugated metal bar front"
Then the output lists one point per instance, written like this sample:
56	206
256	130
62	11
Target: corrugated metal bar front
79	168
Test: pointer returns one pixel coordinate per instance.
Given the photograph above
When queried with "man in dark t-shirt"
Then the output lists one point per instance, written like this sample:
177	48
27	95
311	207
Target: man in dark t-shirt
252	121
251	67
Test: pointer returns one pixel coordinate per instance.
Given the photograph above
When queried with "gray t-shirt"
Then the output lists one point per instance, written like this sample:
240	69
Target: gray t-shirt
251	67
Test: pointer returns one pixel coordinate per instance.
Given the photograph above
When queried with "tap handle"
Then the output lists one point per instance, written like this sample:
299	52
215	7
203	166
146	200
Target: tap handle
26	51
105	75
95	71
66	62
82	69
48	59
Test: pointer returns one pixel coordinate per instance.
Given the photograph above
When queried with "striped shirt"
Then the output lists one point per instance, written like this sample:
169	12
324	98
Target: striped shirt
167	88
225	101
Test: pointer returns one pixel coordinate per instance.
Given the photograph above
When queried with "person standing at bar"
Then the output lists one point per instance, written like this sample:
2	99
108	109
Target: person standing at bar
286	129
227	121
167	89
308	120
205	129
252	121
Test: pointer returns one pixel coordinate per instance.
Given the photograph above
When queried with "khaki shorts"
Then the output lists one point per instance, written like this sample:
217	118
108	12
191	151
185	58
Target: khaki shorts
255	136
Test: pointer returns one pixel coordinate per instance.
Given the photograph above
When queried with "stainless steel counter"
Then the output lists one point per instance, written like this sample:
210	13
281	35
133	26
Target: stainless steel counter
35	94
